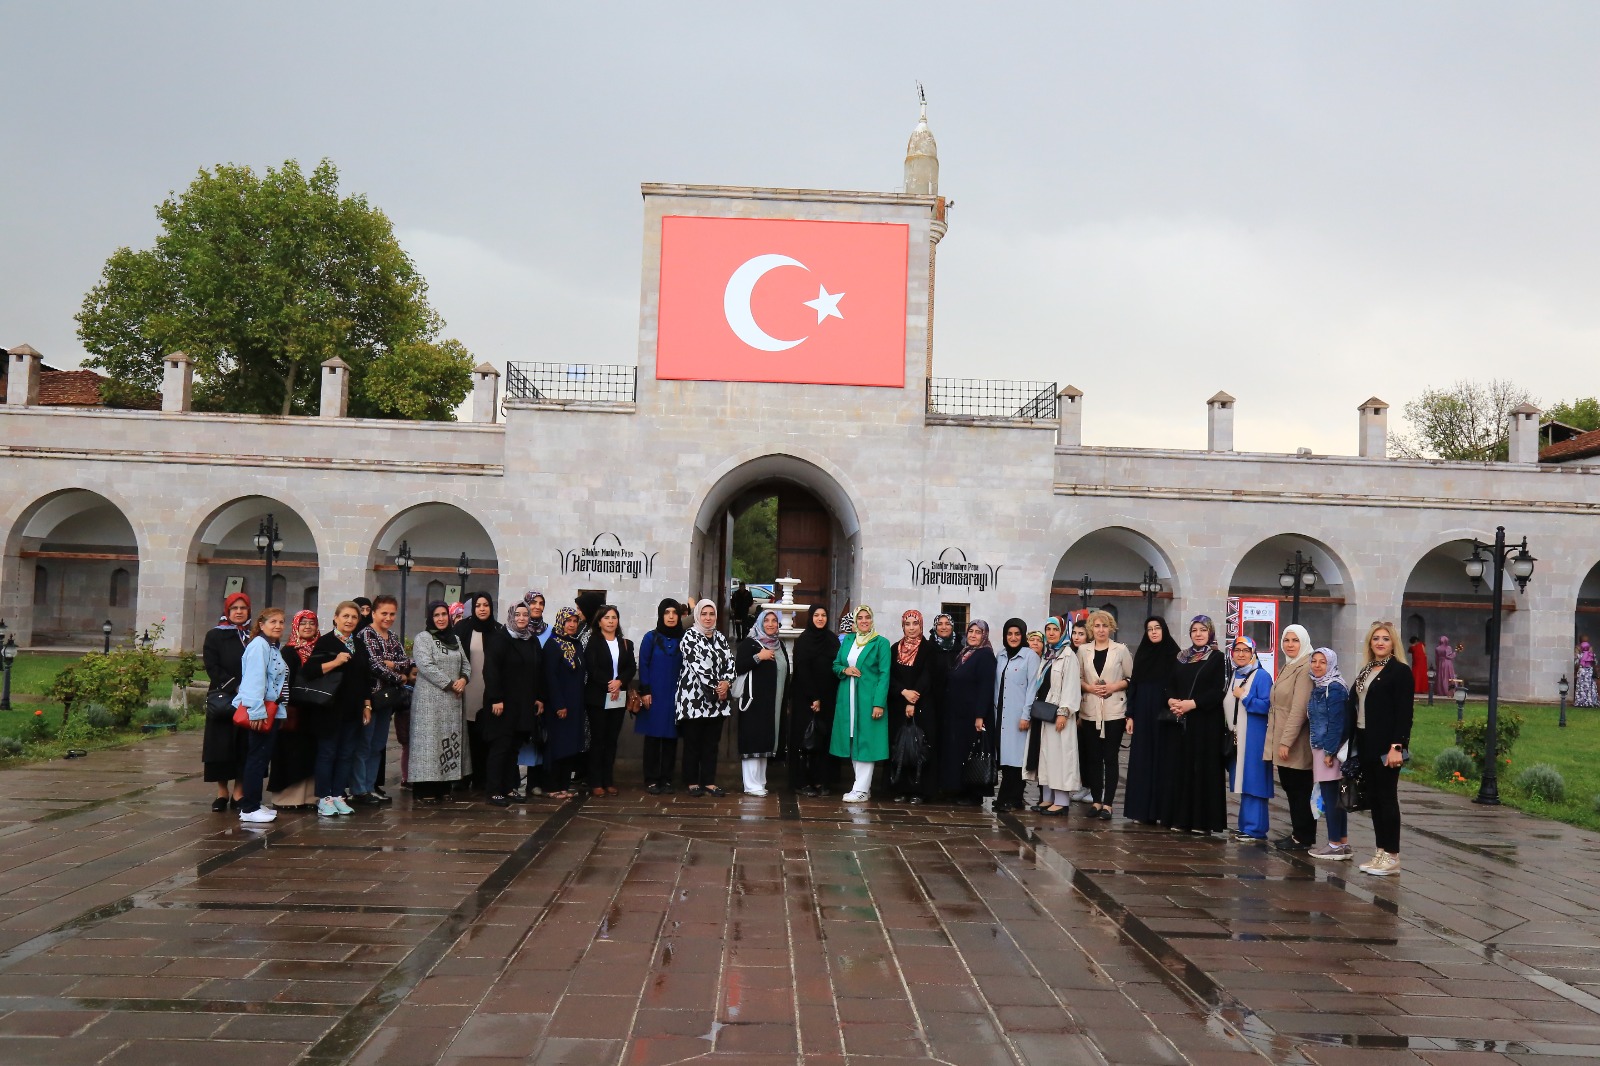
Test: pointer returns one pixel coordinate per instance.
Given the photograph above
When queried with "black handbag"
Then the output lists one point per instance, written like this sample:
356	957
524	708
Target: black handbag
979	771
1043	710
315	691
1352	793
219	701
909	759
814	738
391	698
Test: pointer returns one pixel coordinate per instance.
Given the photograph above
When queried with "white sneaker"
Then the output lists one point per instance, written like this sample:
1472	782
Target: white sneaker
260	814
1386	865
1083	795
1377	857
755	792
326	808
856	797
341	807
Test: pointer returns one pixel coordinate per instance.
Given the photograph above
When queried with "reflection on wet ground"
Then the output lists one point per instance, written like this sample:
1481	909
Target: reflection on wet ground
138	927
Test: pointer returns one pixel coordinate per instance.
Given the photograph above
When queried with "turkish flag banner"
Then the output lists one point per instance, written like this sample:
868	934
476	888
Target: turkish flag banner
783	300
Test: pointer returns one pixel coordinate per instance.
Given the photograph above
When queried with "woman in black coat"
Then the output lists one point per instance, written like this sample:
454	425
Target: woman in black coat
1153	749
967	713
513	690
222	748
1380	709
1194	694
815	689
913	668
762	656
337	725
609	668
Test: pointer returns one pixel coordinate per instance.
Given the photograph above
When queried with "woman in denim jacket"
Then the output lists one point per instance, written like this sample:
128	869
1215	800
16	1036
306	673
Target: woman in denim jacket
1326	712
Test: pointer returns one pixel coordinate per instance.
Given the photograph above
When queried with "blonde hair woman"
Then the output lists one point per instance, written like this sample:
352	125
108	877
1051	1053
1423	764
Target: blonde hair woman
1382	698
1106	667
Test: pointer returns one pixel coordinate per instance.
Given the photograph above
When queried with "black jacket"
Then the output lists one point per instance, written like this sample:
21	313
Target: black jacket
1391	696
513	674
597	668
350	697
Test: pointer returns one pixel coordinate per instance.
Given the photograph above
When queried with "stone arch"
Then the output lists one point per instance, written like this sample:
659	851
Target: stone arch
1327	609
1586	606
814	476
1437	588
437	532
220	551
60	553
1115	558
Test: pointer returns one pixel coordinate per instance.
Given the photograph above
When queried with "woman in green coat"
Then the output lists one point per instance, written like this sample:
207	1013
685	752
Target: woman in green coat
860	730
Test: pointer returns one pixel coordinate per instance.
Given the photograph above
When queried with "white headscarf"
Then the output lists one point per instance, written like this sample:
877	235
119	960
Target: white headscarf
705	630
1305	643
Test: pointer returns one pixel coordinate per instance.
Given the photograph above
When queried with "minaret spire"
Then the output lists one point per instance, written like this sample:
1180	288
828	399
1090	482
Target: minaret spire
922	155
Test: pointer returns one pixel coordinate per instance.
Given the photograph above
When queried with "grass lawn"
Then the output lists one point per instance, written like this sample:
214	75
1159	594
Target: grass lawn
1575	751
31	675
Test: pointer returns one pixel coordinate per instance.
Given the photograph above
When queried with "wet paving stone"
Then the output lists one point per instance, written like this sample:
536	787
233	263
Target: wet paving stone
137	926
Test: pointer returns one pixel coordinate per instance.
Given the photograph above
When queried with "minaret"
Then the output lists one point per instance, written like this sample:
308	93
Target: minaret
922	156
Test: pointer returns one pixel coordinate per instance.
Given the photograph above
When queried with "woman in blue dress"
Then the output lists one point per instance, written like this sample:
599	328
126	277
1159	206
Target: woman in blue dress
1244	710
657	717
563	704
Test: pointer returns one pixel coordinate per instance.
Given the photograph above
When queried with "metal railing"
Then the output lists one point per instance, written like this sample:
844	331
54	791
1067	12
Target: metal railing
572	382
983	398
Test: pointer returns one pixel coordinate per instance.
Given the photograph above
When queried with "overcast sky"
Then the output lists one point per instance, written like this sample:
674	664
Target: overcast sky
1304	205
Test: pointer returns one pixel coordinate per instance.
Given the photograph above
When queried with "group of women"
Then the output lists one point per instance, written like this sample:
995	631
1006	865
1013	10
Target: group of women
479	698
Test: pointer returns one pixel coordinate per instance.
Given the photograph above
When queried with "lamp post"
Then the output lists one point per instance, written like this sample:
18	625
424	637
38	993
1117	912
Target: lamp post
1461	707
1085	591
105	627
463	571
1501	557
146	640
403	563
269	545
1150	586
1433	673
1562	687
8	652
1298	573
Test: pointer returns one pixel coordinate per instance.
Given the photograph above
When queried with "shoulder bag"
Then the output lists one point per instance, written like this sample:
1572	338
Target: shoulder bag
315	691
219	701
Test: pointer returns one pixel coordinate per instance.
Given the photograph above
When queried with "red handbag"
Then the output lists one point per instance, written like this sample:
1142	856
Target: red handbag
241	714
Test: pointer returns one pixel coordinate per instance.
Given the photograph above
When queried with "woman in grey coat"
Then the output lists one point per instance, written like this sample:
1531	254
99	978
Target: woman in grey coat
438	719
1016	674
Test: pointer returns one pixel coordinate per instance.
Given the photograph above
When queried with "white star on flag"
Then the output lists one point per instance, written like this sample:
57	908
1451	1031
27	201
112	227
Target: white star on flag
826	304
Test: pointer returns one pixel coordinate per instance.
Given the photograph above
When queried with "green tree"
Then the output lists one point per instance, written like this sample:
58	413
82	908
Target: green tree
1582	412
262	278
1467	421
755	542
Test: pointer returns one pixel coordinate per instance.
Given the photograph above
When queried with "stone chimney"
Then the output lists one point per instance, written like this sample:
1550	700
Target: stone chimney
1524	437
1374	440
177	383
1069	409
22	376
335	388
1219	423
485	393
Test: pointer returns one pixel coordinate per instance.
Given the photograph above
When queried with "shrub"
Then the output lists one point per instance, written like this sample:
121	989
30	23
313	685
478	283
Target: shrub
97	717
1542	781
1450	762
160	714
11	747
1475	734
37	730
120	682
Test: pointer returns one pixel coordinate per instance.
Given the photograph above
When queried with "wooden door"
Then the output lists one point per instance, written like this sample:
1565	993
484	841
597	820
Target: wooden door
805	543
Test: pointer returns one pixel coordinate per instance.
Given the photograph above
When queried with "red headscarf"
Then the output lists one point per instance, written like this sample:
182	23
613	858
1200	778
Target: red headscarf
907	648
302	647
227	608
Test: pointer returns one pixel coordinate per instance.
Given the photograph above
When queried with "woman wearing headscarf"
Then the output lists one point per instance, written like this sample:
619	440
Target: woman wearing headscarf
292	780
703	688
1382	709
1245	709
1194	696
1015	676
967	712
337	724
913	669
1153	744
609	666
1289	736
438	718
1329	722
1444	668
1035	640
815	690
1584	692
660	662
860	733
1053	739
1107	666
223	746
565	725
761	657
474	632
944	637
364	608
513	690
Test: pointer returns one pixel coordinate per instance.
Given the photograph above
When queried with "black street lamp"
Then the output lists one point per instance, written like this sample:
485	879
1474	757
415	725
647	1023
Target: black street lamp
146	640
105	628
1085	591
1563	687
1150	586
8	653
1298	573
463	571
1461	707
1501	557
1433	673
269	545
403	563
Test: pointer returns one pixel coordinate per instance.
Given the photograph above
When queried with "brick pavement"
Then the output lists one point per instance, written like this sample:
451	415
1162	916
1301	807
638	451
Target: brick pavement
138	927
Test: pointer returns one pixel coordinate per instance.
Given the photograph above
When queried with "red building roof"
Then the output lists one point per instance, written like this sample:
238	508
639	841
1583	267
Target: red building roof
1583	446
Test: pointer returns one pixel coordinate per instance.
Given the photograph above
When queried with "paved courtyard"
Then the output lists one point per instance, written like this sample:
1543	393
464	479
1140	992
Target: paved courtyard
138	927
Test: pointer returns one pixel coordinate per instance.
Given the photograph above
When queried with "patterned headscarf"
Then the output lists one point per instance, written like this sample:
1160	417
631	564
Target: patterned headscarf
302	648
1585	654
558	634
847	625
526	632
1333	669
1242	672
1052	652
760	630
458	611
909	644
967	650
863	639
537	626
1199	652
446	636
944	643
